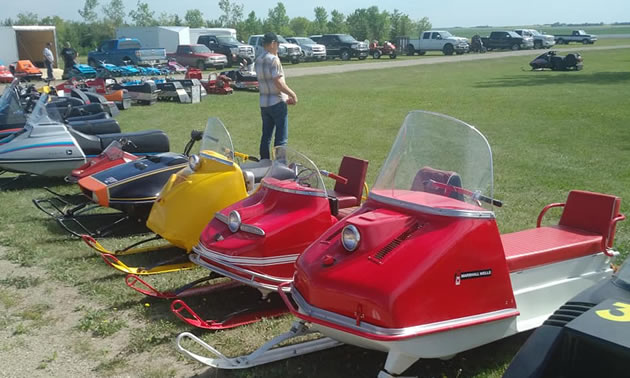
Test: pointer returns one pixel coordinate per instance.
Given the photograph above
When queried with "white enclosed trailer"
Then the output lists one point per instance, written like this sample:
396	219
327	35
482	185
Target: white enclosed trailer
166	37
196	32
27	42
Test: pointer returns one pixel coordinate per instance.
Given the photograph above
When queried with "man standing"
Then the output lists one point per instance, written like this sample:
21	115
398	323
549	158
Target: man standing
69	55
274	96
49	59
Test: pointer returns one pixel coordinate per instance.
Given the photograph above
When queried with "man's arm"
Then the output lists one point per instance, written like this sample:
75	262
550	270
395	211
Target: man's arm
282	86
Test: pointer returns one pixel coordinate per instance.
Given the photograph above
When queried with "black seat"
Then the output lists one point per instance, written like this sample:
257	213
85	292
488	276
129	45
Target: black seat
149	141
88	117
96	126
259	168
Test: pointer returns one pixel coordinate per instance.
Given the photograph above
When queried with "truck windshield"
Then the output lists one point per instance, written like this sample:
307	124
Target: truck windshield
128	44
281	39
200	49
228	40
536	33
347	39
446	34
304	41
437	164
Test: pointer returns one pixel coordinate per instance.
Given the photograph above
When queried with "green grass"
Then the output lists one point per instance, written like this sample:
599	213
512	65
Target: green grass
550	132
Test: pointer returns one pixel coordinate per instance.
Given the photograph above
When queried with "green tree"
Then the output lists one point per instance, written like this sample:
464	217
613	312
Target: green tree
378	24
232	13
337	23
320	23
277	20
114	13
194	18
88	12
27	18
357	23
300	26
143	15
422	25
251	26
8	22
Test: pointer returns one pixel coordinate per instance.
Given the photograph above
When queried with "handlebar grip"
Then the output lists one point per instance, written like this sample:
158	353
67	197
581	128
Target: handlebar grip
337	178
491	201
253	158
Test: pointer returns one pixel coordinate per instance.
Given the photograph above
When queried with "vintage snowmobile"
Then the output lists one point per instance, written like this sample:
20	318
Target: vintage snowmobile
120	97
588	336
421	271
5	74
217	84
48	147
82	71
550	59
141	92
262	236
242	78
26	70
211	177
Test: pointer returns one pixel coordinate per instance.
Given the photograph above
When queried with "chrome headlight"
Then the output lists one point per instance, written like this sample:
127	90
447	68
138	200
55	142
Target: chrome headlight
350	237
234	221
234	50
194	162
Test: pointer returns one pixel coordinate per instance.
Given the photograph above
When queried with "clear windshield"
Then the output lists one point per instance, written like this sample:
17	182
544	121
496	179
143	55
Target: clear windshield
347	39
304	41
228	40
437	161
535	33
446	34
294	172
114	151
216	138
200	49
42	114
10	109
281	39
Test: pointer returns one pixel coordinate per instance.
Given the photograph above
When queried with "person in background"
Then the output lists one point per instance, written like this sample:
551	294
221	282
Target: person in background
49	59
68	54
274	96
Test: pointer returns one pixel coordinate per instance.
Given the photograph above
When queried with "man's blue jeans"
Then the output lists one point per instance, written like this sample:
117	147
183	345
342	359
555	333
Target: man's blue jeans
274	117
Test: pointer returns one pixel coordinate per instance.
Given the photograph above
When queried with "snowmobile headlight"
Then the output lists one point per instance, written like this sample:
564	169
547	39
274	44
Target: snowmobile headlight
234	221
350	237
194	162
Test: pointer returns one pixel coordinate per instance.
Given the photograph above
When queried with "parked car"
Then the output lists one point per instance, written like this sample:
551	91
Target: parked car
228	46
343	46
540	40
286	51
126	51
310	49
198	56
437	40
506	40
576	36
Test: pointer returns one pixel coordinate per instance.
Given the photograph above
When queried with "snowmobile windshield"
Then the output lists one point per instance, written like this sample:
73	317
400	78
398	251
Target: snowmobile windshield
10	109
216	138
293	172
438	165
114	151
42	115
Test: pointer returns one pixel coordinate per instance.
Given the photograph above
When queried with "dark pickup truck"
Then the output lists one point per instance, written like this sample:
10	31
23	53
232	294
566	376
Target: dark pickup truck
579	36
228	46
503	40
126	51
343	46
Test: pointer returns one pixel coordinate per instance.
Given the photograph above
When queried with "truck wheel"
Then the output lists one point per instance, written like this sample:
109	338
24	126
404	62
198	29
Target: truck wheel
537	44
560	41
201	65
585	41
421	52
410	50
345	55
515	47
448	49
362	57
377	54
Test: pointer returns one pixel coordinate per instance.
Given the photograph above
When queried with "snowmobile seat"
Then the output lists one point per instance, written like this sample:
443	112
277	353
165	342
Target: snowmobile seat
96	126
422	180
349	194
141	142
587	226
88	117
259	168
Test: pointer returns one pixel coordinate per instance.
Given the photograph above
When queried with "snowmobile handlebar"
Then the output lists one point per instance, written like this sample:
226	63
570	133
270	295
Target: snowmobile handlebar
339	179
474	195
245	156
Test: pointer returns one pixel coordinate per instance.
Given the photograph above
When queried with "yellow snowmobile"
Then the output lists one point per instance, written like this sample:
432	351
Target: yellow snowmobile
212	181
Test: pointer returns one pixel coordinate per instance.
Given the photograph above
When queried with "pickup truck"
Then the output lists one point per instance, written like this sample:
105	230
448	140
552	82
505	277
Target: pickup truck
286	51
437	40
125	51
506	40
310	49
540	40
228	46
576	36
343	46
198	56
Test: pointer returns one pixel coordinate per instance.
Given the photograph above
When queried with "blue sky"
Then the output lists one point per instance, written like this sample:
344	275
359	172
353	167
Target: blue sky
440	13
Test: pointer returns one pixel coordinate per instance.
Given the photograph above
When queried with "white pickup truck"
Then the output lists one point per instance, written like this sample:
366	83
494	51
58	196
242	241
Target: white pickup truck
437	40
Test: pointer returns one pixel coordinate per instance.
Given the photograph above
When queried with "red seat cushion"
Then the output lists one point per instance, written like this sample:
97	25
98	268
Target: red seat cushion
546	245
345	200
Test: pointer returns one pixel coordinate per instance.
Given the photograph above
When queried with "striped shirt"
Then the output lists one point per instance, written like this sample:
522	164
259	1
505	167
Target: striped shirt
268	67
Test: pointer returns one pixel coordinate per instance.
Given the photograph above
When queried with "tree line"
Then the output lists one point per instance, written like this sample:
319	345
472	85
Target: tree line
100	20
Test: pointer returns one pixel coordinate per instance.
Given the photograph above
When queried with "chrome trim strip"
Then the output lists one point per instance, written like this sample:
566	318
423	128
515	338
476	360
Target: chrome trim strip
244	227
218	160
347	322
223	218
195	258
254	261
295	191
432	210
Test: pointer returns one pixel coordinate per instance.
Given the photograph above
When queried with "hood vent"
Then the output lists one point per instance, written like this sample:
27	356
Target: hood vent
568	312
380	255
334	234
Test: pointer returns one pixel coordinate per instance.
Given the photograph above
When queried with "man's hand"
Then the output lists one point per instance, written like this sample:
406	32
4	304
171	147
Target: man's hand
292	100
